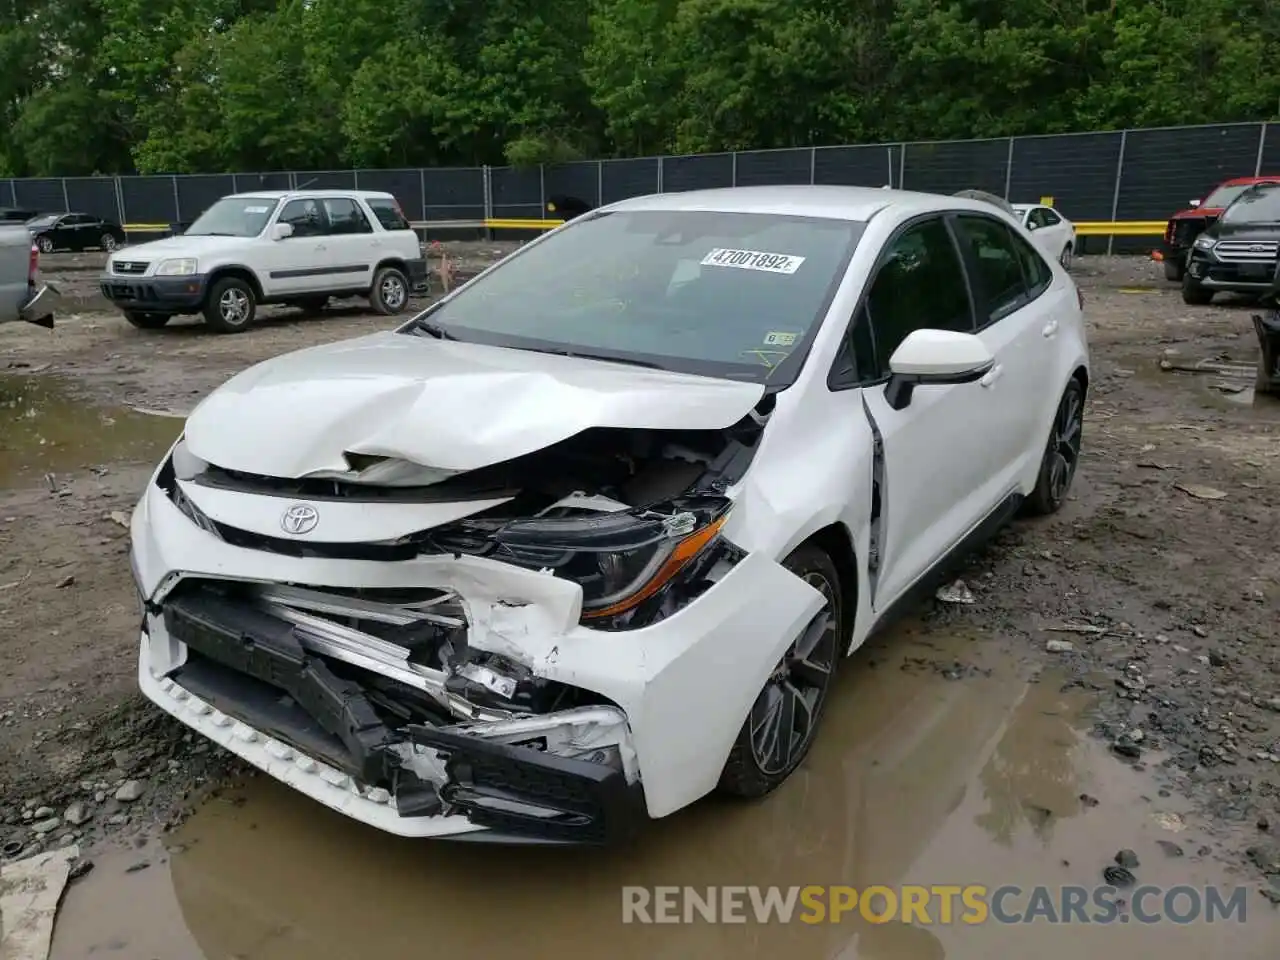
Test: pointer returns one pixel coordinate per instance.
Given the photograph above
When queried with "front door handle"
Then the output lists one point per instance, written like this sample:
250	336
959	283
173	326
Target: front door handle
321	246
994	374
1051	328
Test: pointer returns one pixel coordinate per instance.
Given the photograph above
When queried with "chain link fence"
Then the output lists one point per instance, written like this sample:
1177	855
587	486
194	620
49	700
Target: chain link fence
1129	175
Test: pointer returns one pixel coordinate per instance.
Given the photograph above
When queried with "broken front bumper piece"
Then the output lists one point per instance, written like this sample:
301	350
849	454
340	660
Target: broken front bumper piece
246	672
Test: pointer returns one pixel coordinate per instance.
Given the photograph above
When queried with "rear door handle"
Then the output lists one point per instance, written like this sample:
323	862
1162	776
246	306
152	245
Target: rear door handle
1051	328
994	374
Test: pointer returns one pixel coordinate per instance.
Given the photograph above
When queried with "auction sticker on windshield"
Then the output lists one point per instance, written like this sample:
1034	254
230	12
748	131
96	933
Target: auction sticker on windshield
753	260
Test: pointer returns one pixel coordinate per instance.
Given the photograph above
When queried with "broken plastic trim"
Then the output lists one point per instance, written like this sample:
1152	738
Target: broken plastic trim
565	776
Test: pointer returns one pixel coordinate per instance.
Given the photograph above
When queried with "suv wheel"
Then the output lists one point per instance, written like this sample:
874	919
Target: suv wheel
230	305
390	293
1061	454
1174	269
147	321
1194	293
45	244
784	719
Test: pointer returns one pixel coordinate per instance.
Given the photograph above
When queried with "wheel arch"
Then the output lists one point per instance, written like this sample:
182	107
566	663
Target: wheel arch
836	541
236	270
397	262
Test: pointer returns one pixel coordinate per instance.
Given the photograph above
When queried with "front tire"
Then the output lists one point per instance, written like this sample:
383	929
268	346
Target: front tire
147	321
390	292
783	722
1194	294
1174	269
230	306
1065	257
1061	454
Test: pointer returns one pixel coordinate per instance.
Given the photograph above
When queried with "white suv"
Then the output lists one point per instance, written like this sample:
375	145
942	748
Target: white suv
290	247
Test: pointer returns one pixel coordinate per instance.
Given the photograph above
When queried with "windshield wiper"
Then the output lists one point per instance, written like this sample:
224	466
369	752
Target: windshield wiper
578	354
210	233
433	329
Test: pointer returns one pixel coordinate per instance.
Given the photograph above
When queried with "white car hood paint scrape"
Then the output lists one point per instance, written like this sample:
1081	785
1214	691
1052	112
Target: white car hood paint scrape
444	404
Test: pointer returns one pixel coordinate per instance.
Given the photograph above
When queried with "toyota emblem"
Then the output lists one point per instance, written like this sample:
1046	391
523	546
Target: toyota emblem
299	519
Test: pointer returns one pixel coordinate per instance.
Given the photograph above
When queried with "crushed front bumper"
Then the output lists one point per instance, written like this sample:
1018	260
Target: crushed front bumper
666	701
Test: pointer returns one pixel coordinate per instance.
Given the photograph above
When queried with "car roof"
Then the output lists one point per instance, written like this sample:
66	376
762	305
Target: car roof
828	202
281	194
1246	181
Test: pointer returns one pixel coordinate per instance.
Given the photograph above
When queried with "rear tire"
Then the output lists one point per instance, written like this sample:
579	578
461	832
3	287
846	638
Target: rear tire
390	292
230	306
1195	294
108	243
1061	454
1174	269
1065	257
760	760
45	245
147	321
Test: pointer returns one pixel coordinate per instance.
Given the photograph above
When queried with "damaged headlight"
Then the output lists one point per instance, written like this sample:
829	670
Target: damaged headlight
619	559
186	465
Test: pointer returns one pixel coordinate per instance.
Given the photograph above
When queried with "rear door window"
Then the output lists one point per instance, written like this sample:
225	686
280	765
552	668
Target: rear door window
345	217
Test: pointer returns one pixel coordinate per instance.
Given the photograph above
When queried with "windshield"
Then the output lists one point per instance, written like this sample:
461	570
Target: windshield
234	217
1224	195
719	294
1260	204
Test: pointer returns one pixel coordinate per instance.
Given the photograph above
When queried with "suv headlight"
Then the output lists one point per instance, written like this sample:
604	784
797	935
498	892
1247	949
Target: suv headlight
619	559
1205	243
184	267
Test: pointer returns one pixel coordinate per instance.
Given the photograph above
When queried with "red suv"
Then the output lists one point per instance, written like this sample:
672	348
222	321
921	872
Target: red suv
1186	225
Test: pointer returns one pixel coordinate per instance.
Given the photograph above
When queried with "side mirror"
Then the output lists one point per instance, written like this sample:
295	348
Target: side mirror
282	231
1195	203
1032	225
933	358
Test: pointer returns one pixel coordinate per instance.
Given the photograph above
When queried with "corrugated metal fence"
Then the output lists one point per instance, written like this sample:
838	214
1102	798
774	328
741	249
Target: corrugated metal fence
1131	175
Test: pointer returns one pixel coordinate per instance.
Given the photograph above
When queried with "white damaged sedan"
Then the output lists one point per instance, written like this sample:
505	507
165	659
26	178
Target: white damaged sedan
587	539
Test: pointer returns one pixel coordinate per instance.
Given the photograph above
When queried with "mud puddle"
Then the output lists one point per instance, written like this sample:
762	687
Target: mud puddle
43	429
933	768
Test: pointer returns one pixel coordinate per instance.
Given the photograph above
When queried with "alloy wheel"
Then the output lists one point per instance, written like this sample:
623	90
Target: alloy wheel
108	242
393	292
233	306
784	716
1063	453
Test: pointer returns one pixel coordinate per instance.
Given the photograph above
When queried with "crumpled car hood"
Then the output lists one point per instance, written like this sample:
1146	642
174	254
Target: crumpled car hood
443	404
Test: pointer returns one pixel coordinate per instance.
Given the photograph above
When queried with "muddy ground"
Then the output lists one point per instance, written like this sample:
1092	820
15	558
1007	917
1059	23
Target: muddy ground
1143	618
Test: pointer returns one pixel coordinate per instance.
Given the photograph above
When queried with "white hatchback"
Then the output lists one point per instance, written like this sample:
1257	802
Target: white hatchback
588	538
